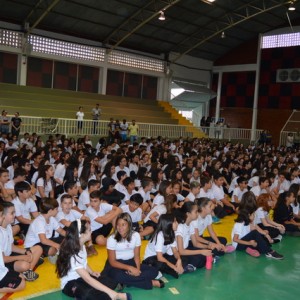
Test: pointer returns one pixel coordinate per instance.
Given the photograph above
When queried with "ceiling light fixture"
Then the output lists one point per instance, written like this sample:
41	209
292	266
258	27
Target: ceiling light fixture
161	16
292	6
223	35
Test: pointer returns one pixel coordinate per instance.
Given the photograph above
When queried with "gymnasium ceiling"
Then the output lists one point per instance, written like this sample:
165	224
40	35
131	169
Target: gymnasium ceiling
192	27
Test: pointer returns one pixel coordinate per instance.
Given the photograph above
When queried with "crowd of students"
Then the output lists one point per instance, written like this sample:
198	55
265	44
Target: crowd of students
62	197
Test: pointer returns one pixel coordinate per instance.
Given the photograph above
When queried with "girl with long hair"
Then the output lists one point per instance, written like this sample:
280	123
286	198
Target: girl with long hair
78	280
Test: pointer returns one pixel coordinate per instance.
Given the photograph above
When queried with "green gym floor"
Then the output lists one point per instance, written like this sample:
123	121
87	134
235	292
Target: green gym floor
235	276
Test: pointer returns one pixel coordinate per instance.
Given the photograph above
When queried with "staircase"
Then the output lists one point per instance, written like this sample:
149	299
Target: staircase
197	133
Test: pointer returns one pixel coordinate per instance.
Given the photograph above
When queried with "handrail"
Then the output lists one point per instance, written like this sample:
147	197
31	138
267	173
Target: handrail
68	127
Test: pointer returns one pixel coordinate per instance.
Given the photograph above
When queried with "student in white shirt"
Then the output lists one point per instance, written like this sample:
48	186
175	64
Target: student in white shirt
102	216
79	117
129	190
84	198
41	230
147	185
76	276
239	191
123	263
25	207
165	188
176	187
261	188
195	190
10	281
15	258
161	251
19	176
134	210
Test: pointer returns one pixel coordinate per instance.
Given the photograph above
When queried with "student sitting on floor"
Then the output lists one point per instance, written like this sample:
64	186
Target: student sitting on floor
102	216
203	222
25	207
134	210
15	258
10	280
77	279
43	229
246	237
161	251
123	263
84	198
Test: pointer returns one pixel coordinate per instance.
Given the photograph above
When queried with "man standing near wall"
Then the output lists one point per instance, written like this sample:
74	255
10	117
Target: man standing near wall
133	132
96	113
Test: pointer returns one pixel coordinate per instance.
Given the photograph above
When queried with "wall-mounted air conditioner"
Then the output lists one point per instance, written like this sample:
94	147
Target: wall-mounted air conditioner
288	75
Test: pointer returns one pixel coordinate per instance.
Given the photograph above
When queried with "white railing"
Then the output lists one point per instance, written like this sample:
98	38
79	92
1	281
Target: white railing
68	127
230	134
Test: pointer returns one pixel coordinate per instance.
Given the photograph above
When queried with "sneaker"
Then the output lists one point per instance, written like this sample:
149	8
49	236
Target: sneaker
216	220
229	249
252	252
120	287
30	275
189	268
52	259
216	259
275	255
159	275
278	237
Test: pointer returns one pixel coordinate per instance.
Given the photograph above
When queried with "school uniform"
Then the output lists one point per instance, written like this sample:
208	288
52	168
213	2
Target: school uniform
47	187
218	194
74	286
71	216
160	210
262	214
96	227
197	260
84	200
239	194
201	224
24	210
245	233
40	226
136	216
191	197
124	251
158	200
8	278
157	244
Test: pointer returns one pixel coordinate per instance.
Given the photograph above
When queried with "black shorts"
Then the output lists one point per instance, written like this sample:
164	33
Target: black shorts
150	224
46	248
11	280
104	230
11	265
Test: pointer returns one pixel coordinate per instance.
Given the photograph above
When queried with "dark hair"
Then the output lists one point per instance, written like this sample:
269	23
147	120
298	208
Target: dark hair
85	175
120	174
294	188
146	181
243	216
165	225
204	180
201	202
93	182
181	213
22	186
169	202
47	204
163	186
248	202
126	217
69	247
65	196
241	179
69	185
95	194
137	198
127	181
6	206
282	199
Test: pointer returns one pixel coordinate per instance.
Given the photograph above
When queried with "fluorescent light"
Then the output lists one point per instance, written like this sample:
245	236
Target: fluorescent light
161	16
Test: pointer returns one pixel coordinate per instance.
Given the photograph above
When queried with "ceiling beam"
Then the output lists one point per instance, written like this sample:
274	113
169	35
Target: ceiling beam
42	16
234	18
132	25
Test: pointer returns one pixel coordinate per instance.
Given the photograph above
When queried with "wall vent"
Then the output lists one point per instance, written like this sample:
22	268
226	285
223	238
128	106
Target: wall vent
288	75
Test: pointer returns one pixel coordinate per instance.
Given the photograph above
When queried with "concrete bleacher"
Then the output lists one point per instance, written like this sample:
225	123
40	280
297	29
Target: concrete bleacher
43	102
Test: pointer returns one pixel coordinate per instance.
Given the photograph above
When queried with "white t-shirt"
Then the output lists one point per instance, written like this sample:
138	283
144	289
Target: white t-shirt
84	200
159	209
239	193
80	115
136	216
77	262
207	194
180	197
6	239
217	192
157	245
183	230
125	169
233	184
40	226
120	187
241	230
145	195
158	199
60	172
3	269
127	196
124	249
191	197
47	188
10	185
201	224
256	190
93	214
71	216
259	214
24	209
295	208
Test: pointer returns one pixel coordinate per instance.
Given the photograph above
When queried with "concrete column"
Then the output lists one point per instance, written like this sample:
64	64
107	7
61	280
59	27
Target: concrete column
217	114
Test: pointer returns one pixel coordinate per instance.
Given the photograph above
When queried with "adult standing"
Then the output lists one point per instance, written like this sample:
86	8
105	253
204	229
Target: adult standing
16	122
96	113
133	131
124	129
80	116
4	122
111	130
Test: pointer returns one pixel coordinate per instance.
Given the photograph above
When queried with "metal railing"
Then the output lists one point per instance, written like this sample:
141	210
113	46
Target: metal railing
69	127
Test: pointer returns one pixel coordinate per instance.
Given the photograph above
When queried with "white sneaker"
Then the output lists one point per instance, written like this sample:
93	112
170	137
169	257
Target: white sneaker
159	275
52	259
